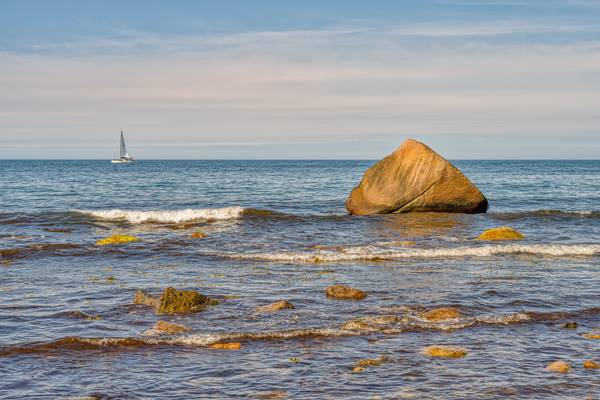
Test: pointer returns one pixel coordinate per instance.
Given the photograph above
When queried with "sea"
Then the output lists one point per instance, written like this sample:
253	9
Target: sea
278	230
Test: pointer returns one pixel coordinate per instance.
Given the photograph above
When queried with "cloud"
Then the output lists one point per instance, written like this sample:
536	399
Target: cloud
351	84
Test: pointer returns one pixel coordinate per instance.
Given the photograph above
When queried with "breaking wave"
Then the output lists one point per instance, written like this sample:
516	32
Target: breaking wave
165	216
411	322
375	253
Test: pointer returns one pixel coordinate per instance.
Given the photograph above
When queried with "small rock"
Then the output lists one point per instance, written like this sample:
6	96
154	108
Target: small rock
168	328
110	279
558	366
198	235
371	362
274	307
445	351
58	230
358	369
570	325
501	233
294	360
226	346
116	239
441	314
143	298
589	364
344	292
173	301
592	335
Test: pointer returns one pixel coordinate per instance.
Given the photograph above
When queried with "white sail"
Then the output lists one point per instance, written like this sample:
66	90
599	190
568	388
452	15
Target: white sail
124	156
123	152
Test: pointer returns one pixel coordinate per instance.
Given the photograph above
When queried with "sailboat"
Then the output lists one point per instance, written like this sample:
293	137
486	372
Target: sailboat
125	157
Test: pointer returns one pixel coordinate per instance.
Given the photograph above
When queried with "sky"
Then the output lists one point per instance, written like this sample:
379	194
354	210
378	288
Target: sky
272	79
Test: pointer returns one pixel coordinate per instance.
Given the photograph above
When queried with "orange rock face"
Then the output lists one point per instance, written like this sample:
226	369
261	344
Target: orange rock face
344	292
414	178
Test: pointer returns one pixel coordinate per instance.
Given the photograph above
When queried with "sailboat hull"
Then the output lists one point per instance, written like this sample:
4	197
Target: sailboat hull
121	161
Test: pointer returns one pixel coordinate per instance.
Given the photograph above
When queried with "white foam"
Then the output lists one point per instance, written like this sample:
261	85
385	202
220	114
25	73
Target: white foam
375	253
174	216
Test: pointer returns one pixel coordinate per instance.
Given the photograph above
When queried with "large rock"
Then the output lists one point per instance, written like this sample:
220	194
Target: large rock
173	301
414	178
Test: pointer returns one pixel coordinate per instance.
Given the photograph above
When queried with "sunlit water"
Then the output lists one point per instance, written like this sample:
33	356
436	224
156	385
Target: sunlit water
278	230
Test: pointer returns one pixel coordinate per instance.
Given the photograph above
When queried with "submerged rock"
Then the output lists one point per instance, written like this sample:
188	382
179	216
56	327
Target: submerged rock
116	239
441	314
226	346
570	325
445	351
414	178
274	307
590	364
169	328
501	233
173	301
344	292
360	365
370	323
558	366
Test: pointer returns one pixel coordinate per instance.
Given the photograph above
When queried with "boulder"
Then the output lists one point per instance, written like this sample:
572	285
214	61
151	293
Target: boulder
501	233
274	307
344	293
173	301
445	351
441	314
414	178
558	366
590	364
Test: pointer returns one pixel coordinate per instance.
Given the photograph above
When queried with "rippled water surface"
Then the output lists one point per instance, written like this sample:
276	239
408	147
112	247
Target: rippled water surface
278	230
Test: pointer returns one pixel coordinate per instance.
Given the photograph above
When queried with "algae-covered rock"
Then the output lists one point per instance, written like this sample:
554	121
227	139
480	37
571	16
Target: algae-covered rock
173	301
344	293
441	314
274	307
570	325
558	366
414	178
590	364
116	239
226	346
445	351
371	362
501	233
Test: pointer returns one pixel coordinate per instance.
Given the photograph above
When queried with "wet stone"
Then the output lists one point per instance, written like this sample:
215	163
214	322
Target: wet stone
559	366
344	293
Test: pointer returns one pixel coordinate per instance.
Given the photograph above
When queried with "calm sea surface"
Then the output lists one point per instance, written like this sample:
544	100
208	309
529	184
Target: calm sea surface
278	230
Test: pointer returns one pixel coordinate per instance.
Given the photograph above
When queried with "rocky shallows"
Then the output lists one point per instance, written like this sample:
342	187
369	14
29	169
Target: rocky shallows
173	301
414	178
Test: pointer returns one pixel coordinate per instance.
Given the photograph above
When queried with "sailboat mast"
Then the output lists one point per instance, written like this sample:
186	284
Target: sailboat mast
123	149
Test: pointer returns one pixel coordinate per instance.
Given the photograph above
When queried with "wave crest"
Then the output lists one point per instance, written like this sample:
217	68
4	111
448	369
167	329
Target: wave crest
375	253
165	216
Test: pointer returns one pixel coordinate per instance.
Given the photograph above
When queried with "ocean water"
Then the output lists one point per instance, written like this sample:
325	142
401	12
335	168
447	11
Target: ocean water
278	230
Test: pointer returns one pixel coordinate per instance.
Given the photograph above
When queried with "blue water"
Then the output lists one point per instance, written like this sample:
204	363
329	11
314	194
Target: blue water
278	230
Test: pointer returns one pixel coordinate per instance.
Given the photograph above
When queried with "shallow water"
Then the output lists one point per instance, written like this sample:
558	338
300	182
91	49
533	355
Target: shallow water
278	230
